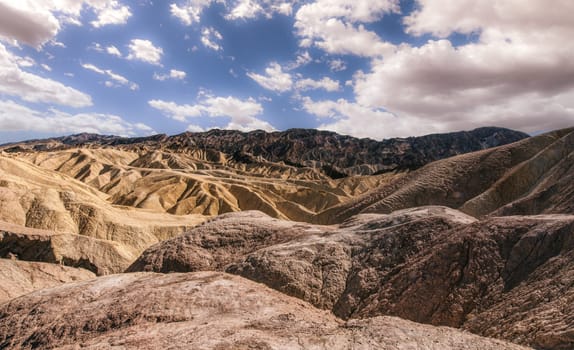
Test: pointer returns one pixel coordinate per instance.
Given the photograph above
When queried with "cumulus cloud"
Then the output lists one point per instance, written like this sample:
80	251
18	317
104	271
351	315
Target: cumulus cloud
114	51
112	12
325	83
519	72
241	112
116	78
274	79
16	117
335	26
35	22
145	51
32	88
351	118
190	11
174	74
210	38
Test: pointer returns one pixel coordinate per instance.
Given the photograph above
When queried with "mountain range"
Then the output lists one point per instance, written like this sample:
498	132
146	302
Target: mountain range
301	234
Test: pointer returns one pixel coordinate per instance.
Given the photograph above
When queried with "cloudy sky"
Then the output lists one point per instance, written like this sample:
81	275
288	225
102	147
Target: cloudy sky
367	68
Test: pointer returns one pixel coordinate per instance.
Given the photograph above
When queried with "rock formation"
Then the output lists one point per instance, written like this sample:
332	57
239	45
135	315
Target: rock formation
363	231
99	256
526	177
203	310
335	155
507	277
22	277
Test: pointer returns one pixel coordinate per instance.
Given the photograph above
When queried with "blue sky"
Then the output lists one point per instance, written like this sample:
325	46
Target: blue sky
378	69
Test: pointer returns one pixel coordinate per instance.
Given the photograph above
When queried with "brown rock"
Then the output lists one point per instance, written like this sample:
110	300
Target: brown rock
202	310
507	277
22	277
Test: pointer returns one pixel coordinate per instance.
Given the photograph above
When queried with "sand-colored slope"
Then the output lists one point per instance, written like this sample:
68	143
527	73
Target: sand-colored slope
478	183
186	183
44	199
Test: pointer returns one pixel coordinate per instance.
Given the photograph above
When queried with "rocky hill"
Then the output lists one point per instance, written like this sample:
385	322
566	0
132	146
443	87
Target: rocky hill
335	155
531	176
506	277
202	311
299	239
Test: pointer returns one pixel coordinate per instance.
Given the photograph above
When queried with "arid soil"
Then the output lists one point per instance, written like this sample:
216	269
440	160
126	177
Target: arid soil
204	310
230	240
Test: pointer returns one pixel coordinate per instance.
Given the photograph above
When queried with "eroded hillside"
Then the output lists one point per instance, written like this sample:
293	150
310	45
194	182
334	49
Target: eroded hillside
360	230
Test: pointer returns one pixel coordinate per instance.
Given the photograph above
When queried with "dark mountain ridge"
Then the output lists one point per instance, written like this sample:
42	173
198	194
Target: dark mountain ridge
337	155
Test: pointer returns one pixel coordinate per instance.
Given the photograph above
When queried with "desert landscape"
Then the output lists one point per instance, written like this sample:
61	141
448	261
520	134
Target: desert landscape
286	174
231	240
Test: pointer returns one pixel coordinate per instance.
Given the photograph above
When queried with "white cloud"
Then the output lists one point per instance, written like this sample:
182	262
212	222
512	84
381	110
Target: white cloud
210	38
325	83
114	51
284	8
27	22
519	72
56	43
112	12
145	51
190	11
194	128
241	112
46	67
274	79
33	88
119	79
174	74
24	62
248	9
16	117
302	59
35	22
178	112
443	17
245	9
353	119
337	65
335	26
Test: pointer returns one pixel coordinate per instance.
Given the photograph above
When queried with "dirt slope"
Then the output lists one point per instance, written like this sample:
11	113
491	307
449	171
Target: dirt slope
527	177
202	311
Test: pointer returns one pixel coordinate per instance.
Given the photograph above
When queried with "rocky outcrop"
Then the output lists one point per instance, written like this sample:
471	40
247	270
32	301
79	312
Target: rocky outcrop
215	244
75	222
22	277
202	311
98	256
505	277
526	177
335	155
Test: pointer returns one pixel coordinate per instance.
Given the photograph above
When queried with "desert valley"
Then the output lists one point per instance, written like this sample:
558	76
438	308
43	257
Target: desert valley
301	239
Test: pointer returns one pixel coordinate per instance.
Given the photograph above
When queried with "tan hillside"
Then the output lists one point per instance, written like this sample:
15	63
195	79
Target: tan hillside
203	310
78	217
525	177
22	277
188	183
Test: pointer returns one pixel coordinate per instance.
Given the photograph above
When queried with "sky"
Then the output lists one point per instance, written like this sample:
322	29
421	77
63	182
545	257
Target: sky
366	68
